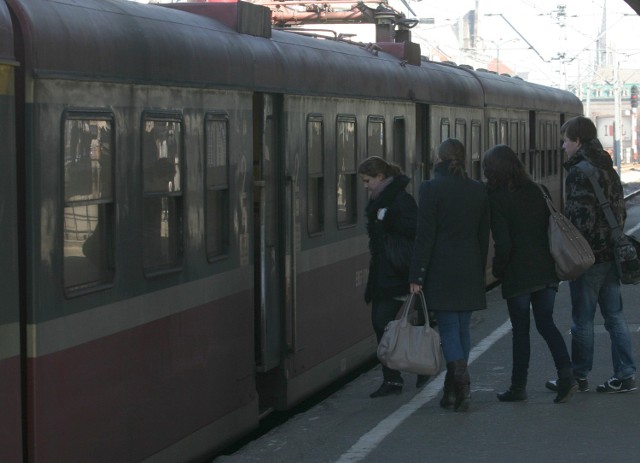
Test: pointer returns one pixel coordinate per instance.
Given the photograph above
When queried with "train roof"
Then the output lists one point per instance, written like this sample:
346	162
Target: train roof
6	35
118	40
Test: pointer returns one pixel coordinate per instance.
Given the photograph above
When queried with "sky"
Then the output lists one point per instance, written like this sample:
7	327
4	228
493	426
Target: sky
555	54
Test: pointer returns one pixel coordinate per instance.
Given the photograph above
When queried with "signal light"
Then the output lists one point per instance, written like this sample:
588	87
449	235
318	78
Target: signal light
634	96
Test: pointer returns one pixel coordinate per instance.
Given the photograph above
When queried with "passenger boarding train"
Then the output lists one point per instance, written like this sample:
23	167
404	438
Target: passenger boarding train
182	223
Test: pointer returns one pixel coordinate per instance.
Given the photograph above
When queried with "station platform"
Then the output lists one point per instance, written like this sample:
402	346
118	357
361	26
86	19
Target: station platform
592	427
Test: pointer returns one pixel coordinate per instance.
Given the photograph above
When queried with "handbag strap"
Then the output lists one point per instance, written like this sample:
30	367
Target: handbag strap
408	304
593	174
552	208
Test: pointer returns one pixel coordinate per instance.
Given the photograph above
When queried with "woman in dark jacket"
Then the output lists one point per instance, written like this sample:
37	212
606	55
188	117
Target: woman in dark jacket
391	215
519	222
449	261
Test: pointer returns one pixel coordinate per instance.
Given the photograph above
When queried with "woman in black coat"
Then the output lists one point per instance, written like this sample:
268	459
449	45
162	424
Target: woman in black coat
391	215
519	222
449	261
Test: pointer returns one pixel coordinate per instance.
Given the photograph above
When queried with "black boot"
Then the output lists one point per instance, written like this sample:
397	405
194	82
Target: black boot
387	388
449	392
566	385
513	394
462	382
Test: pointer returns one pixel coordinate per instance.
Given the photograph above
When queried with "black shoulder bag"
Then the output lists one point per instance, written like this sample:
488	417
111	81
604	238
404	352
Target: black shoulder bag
625	248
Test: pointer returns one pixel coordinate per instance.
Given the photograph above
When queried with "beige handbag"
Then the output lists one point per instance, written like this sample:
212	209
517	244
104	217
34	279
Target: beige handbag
414	349
570	250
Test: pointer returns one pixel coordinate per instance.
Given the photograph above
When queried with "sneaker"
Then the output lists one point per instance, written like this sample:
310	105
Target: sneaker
614	385
583	385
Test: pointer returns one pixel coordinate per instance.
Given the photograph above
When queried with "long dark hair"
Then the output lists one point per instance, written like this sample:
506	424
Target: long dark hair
453	150
375	165
503	169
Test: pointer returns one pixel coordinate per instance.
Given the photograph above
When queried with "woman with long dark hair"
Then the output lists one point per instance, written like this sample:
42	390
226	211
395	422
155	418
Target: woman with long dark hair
449	260
519	223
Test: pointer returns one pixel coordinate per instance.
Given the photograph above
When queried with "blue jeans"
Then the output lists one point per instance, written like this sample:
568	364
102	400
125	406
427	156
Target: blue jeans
454	334
599	285
382	312
541	303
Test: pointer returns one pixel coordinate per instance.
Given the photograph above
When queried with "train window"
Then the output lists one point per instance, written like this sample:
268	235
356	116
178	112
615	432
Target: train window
162	192
461	131
347	181
399	142
445	129
88	201
542	147
493	133
315	166
513	136
476	149
550	147
217	186
504	132
554	137
375	136
522	147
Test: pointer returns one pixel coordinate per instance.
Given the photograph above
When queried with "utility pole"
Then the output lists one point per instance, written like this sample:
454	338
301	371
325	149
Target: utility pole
616	117
634	124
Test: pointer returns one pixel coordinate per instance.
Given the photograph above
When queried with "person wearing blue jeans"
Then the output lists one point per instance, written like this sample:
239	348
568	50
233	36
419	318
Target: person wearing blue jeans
523	263
449	262
600	285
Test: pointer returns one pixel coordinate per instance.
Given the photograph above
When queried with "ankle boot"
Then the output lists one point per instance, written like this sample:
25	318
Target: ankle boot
566	385
462	384
449	392
513	394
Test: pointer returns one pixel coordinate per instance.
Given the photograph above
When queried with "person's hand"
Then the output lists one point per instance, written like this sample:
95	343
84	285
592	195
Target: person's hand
414	288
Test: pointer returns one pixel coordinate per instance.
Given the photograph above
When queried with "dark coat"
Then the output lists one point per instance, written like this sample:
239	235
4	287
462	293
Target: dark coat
581	205
519	224
399	218
451	244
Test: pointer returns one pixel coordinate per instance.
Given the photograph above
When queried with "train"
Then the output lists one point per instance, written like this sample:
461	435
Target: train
184	244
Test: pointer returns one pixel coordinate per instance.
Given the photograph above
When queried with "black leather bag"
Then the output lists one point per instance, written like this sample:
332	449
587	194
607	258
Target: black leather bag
398	250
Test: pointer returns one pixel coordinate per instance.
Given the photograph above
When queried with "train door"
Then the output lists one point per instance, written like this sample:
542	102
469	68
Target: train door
267	236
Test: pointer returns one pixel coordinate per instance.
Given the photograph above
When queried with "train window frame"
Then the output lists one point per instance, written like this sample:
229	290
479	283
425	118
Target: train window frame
461	125
503	134
216	193
350	175
169	199
102	247
381	145
315	178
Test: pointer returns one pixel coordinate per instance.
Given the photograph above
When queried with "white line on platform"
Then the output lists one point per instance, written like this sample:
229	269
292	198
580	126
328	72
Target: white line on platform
367	443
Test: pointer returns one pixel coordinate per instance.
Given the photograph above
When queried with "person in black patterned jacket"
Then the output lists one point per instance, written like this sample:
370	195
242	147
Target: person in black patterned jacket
600	285
391	214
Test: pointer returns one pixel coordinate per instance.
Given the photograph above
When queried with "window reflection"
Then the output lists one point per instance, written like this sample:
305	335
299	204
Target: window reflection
88	194
162	162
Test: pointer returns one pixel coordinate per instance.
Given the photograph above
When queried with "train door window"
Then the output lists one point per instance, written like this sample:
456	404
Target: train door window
504	132
88	201
217	186
399	142
162	192
493	133
347	181
555	143
375	136
542	144
522	147
315	166
445	129
476	149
